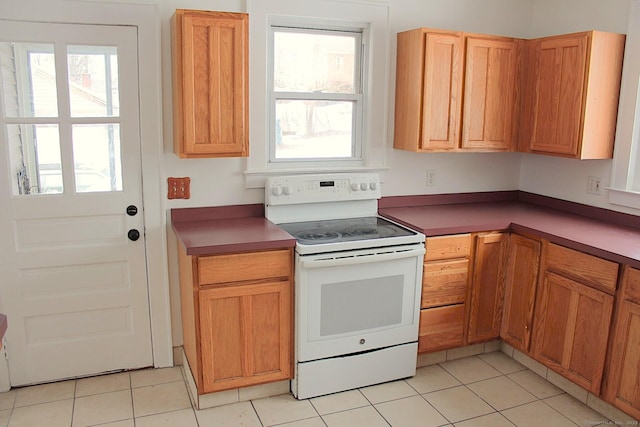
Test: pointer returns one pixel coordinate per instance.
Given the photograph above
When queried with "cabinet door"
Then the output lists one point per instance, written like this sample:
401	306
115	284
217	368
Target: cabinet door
571	330
442	96
211	84
520	291
623	376
558	88
489	93
623	389
487	287
245	335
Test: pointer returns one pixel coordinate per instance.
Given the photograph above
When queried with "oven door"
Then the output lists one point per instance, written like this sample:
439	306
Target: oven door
356	301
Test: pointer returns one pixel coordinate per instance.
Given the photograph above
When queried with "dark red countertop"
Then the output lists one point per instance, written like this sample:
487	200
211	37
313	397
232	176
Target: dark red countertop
238	228
616	241
604	233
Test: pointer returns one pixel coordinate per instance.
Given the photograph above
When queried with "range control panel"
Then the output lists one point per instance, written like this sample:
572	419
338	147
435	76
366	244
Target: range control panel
300	189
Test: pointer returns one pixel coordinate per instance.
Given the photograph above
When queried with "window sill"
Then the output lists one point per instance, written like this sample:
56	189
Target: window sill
627	198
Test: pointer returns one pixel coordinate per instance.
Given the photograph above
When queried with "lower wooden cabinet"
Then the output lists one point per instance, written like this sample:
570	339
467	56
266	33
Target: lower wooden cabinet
245	334
623	376
441	328
444	293
572	324
487	286
553	303
523	262
237	318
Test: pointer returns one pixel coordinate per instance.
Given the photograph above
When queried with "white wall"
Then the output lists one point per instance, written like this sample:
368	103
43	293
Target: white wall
216	182
565	178
455	172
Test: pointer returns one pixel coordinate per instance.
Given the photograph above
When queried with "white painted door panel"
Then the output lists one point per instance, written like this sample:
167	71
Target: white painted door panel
73	285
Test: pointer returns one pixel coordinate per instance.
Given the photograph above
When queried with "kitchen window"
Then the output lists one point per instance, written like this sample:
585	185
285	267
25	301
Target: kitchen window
316	93
319	87
625	181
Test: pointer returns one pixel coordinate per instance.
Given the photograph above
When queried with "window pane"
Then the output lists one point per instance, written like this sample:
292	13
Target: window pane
314	129
314	62
96	158
34	156
93	81
28	80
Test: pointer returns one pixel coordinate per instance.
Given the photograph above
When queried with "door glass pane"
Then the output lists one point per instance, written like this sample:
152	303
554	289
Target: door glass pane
96	158
34	156
93	81
308	129
28	78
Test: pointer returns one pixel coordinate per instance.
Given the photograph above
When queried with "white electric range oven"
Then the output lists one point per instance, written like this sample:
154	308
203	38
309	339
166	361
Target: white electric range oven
357	282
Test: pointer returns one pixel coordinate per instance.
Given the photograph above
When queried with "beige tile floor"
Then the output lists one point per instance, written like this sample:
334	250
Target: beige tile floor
489	390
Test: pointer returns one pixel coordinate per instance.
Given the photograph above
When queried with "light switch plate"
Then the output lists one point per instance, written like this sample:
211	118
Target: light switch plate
179	188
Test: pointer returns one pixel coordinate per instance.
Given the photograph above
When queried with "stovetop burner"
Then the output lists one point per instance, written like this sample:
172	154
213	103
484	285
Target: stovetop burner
344	230
317	235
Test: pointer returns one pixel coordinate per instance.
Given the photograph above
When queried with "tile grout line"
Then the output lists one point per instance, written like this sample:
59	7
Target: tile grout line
422	395
73	405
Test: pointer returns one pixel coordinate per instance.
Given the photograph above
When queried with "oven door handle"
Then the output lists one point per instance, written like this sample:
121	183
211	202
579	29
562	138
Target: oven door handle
361	259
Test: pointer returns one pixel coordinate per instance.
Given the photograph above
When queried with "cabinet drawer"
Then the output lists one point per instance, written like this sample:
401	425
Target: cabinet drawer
448	247
632	291
244	266
444	282
587	268
441	328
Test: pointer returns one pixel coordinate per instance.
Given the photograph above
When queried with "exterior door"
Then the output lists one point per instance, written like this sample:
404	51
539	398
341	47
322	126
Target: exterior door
73	279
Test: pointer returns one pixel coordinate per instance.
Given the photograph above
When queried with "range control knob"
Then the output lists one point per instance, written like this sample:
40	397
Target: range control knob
355	186
286	190
373	185
364	186
276	191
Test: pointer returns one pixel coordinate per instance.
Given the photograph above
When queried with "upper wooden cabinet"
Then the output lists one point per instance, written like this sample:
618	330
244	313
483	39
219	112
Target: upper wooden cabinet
571	95
455	91
491	70
210	84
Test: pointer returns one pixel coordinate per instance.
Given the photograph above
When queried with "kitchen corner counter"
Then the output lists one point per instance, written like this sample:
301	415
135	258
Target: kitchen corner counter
238	228
609	240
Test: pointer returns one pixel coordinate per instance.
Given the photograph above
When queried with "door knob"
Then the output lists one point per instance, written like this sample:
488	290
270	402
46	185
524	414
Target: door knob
133	235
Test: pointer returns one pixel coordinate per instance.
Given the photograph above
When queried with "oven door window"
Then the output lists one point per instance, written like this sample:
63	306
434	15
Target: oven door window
350	308
361	305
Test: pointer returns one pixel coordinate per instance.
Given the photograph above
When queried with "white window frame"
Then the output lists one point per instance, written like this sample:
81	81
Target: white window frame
361	35
625	177
370	14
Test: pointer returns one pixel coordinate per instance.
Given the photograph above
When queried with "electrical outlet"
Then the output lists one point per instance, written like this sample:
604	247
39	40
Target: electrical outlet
431	178
594	185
